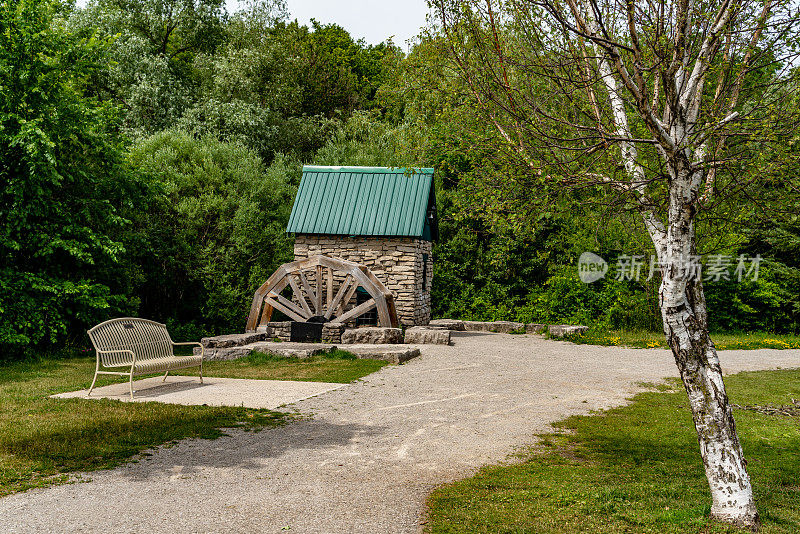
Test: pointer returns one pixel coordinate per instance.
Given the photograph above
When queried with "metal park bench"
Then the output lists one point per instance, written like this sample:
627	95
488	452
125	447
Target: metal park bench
141	346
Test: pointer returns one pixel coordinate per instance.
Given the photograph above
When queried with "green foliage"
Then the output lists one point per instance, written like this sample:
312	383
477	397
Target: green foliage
214	235
63	185
286	87
365	140
223	109
151	73
510	239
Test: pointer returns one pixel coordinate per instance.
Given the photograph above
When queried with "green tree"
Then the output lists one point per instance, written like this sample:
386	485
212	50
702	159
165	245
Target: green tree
63	184
285	88
156	41
214	235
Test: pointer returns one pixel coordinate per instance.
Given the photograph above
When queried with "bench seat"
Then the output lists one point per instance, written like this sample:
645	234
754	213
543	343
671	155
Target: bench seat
161	365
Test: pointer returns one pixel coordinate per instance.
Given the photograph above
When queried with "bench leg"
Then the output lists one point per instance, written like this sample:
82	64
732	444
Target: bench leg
130	385
165	377
93	383
201	372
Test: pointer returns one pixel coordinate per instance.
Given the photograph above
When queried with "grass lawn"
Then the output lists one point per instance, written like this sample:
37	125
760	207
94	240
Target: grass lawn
337	366
42	440
635	469
723	341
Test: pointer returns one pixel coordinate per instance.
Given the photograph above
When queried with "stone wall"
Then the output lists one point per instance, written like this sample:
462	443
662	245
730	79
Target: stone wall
396	261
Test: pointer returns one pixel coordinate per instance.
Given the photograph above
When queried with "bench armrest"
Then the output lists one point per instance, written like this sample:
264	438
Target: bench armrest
115	350
99	352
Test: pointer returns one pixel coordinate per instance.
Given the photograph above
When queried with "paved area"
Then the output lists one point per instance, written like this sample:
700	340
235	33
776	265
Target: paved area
212	392
372	451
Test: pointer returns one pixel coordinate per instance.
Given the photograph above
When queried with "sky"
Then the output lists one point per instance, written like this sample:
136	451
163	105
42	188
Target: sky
371	20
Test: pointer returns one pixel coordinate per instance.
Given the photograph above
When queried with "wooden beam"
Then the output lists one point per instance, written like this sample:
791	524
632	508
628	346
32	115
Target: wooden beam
303	264
333	304
347	297
318	301
266	315
387	316
330	290
312	295
289	304
358	310
299	293
258	298
278	306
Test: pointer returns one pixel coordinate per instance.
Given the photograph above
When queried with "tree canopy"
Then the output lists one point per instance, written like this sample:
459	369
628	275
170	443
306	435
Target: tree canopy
63	188
253	96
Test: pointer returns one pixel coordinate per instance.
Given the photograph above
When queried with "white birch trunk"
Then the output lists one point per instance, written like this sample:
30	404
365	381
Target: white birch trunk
684	315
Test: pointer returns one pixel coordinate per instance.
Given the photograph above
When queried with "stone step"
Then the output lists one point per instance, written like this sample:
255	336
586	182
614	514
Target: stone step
372	335
561	330
391	353
502	327
449	324
395	354
233	340
426	335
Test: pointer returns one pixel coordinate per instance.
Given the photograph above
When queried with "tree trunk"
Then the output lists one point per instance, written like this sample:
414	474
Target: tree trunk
683	310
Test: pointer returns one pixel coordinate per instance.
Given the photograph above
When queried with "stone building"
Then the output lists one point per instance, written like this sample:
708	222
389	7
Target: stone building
380	217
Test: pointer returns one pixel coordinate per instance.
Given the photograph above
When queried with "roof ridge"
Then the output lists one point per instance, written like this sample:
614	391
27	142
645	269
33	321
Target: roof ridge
367	170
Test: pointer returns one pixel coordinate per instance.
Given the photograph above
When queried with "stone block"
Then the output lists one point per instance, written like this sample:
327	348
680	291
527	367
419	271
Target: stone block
449	324
280	329
428	336
502	327
561	330
293	350
535	328
233	340
391	354
372	335
230	353
332	332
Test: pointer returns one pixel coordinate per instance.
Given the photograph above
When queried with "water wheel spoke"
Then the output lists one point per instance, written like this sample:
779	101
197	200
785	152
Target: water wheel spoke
291	305
330	289
318	294
282	307
299	294
349	295
334	303
358	310
312	295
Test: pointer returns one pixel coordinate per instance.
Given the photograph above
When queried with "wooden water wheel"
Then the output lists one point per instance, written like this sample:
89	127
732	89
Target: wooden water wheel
321	289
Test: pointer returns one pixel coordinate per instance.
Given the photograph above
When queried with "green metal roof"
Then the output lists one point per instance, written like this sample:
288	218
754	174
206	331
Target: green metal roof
368	201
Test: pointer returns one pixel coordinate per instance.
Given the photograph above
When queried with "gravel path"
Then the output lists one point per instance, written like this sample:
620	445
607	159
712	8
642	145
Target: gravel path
372	451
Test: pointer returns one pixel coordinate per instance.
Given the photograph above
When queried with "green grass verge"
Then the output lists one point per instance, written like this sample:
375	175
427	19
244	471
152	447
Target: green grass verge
635	469
723	341
337	366
43	440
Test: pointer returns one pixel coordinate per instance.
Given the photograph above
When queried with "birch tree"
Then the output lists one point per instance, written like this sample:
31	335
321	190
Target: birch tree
665	103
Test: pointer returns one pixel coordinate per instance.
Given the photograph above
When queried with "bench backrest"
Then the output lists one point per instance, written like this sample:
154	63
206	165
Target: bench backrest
148	339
